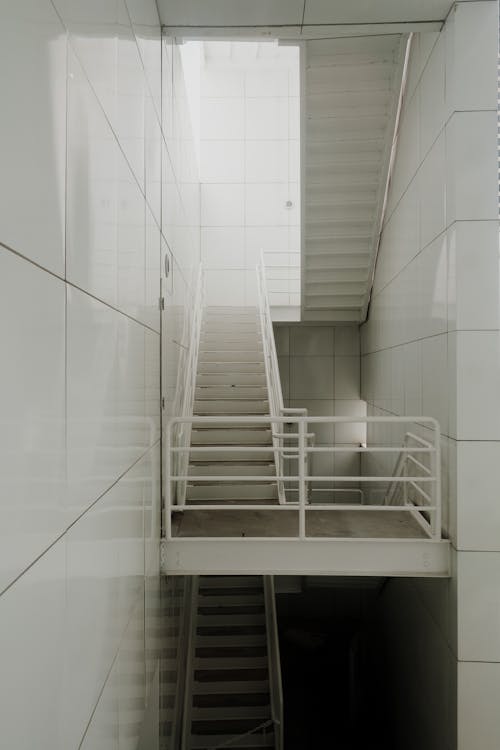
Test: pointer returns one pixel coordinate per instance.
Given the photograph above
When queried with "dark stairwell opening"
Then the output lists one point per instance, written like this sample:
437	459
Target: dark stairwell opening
333	661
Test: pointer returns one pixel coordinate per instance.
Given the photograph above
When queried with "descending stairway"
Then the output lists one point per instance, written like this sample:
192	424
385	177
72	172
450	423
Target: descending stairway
231	381
230	693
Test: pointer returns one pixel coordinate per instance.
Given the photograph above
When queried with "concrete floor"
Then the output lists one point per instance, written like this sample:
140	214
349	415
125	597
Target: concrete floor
284	523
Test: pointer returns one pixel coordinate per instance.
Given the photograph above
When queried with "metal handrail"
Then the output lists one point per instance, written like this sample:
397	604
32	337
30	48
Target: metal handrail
189	663
186	375
274	662
273	379
231	742
425	506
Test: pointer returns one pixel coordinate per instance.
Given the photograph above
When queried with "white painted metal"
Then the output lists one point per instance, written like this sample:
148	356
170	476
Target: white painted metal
319	557
350	97
425	506
226	661
186	376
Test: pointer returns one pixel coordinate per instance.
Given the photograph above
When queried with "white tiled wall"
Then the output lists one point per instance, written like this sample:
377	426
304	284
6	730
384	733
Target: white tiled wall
432	340
249	128
85	223
320	371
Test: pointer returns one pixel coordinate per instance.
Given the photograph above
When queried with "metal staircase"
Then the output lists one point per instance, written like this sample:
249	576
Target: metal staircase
350	104
231	381
233	689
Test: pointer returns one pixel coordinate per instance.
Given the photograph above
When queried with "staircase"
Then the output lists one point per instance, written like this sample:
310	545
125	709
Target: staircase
229	702
352	88
231	381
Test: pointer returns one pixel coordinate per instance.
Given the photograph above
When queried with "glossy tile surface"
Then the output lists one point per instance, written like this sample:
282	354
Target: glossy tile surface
108	428
32	150
33	657
32	413
105	571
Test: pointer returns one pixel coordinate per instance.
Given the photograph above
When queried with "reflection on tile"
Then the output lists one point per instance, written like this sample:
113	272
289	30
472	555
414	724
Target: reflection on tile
108	428
105	572
32	150
32	413
32	638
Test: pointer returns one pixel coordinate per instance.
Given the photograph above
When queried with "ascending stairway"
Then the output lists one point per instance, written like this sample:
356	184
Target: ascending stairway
230	693
231	381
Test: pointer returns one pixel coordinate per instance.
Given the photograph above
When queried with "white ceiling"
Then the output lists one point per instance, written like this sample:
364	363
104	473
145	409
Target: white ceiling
223	13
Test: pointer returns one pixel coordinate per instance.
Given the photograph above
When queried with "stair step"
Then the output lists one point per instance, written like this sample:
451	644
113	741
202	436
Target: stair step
262	422
231	700
229	652
239	356
261	713
229	369
233	491
234	468
234	341
222	455
229	620
231	391
204	742
208	599
235	436
230	726
231	641
231	379
216	663
237	406
241	687
206	610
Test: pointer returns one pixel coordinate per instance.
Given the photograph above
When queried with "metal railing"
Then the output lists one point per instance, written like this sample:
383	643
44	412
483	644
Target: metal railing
186	375
274	663
416	492
280	437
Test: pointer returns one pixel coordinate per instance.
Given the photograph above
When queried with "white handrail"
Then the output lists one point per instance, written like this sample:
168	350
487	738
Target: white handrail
425	506
186	377
273	379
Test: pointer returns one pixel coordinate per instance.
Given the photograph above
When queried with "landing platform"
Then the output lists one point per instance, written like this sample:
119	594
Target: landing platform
403	557
350	524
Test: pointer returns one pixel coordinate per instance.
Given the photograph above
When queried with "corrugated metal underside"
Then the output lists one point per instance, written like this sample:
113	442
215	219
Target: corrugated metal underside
350	96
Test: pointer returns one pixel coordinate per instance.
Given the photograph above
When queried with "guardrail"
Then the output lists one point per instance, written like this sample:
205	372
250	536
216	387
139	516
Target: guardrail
416	491
186	373
273	380
274	662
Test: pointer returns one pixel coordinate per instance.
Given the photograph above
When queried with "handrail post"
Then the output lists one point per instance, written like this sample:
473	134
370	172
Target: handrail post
302	477
436	470
168	483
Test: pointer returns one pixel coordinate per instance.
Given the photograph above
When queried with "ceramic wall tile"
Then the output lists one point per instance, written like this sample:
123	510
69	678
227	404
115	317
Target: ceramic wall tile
478	717
107	428
33	632
32	443
478	512
32	150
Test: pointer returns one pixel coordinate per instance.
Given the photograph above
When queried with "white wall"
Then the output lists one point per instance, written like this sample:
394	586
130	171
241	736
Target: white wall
81	247
249	169
320	371
431	347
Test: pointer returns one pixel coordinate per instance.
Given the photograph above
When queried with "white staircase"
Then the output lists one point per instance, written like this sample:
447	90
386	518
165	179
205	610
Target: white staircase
352	88
229	703
231	381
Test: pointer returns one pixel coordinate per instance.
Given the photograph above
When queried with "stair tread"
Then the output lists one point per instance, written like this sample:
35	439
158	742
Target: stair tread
241	687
